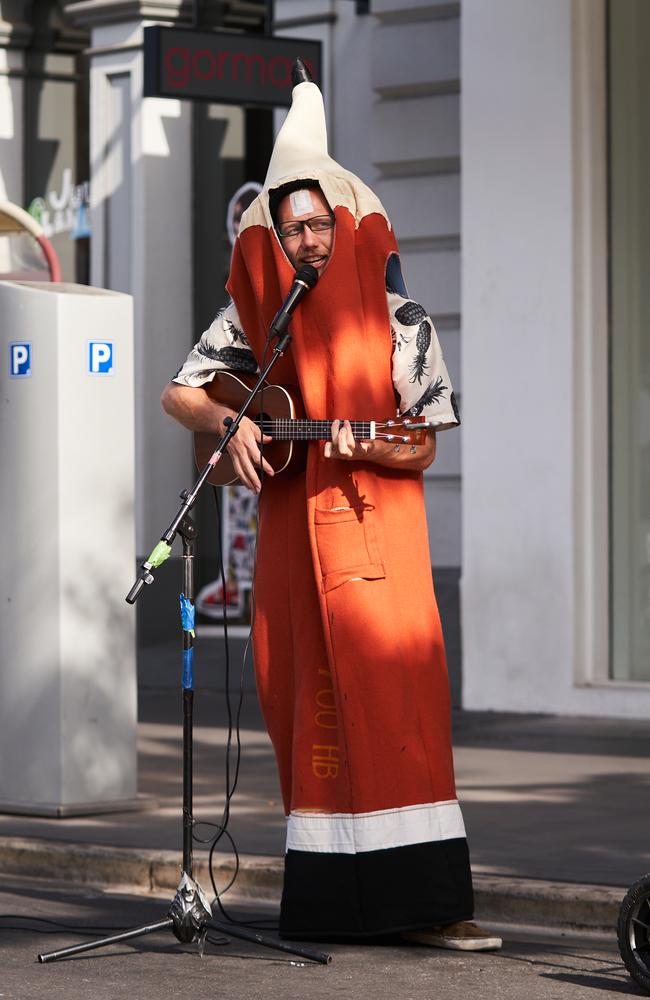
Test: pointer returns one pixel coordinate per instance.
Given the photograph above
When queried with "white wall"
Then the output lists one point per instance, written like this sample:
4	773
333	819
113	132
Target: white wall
524	547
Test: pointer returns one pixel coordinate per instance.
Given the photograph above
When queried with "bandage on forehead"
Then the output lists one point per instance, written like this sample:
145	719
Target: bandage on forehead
301	202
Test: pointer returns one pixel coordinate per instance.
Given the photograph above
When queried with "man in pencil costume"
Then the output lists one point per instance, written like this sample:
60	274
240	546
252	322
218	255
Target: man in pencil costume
348	647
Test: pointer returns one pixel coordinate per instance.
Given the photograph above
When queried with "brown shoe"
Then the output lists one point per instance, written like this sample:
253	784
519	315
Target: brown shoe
463	936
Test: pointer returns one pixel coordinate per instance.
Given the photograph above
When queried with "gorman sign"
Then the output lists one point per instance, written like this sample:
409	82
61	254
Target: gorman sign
226	68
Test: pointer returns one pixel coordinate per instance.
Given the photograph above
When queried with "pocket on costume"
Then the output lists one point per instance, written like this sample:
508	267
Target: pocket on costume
347	547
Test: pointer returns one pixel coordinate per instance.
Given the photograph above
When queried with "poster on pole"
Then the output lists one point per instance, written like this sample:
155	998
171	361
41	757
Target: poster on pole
242	198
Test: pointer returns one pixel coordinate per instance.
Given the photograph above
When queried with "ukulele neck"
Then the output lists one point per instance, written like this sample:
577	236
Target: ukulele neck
313	430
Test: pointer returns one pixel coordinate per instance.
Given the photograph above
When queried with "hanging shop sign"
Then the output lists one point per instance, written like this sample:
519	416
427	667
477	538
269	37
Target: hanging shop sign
225	68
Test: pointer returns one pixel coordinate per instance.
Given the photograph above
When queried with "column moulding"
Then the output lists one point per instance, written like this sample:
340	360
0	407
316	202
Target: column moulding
98	13
591	336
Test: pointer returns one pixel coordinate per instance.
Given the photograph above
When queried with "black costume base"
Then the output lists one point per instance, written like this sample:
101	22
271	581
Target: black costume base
375	892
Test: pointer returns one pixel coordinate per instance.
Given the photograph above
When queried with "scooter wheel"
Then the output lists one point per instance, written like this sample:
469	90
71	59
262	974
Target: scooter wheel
634	932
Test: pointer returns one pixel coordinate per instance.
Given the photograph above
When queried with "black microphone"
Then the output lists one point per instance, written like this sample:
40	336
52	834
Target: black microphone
305	279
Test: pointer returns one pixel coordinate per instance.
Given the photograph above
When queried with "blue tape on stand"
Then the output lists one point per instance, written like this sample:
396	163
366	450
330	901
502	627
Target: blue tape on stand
187	614
188	668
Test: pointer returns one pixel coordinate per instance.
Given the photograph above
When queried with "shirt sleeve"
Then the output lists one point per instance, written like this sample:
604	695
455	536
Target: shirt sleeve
420	375
223	346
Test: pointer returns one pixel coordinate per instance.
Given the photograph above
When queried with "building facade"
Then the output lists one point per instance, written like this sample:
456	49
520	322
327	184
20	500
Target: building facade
508	143
556	351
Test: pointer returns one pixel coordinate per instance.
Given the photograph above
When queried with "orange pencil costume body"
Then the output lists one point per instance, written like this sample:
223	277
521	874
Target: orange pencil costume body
349	654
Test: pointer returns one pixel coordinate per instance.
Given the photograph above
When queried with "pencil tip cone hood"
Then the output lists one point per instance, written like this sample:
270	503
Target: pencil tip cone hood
301	145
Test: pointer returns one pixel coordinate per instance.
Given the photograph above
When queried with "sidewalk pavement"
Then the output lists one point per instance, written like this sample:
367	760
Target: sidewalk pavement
556	809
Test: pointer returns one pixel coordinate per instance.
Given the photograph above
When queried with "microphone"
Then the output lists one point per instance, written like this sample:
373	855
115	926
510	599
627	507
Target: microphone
305	279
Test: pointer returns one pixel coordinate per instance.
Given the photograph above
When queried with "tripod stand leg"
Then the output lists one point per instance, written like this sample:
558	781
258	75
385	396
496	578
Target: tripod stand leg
290	949
52	956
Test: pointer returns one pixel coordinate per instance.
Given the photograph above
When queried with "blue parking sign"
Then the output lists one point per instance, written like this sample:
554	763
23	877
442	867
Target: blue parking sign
100	357
20	359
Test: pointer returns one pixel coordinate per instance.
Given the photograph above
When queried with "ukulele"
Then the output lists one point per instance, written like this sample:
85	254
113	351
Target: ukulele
278	412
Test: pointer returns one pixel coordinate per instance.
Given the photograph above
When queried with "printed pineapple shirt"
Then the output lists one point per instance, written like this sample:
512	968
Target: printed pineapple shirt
419	372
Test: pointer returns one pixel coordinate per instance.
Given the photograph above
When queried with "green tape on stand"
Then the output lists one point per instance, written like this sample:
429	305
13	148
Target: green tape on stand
160	554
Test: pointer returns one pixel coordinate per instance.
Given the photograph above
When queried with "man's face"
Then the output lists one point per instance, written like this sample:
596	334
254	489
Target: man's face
306	246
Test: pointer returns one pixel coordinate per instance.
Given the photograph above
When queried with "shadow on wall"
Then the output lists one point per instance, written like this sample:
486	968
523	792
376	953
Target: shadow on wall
446	582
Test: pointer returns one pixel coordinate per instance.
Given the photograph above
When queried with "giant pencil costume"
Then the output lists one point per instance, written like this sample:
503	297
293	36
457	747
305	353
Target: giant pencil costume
348	647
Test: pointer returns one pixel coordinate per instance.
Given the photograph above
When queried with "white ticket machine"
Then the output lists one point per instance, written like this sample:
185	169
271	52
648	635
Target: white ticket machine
67	637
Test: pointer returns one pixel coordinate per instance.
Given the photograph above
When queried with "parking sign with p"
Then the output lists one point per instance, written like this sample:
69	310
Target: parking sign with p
100	357
20	359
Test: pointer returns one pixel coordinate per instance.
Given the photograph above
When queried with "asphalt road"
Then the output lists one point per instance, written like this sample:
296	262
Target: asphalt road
532	964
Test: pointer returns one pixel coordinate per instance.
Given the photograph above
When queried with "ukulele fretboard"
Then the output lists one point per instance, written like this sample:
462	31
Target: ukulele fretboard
313	430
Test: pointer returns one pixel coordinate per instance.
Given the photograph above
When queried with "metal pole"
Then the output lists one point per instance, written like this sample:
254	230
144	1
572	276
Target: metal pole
51	956
187	530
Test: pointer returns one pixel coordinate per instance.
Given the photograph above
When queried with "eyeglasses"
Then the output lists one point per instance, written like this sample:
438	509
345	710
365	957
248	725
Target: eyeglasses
320	224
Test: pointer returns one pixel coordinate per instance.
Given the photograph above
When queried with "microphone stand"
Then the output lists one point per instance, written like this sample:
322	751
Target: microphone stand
190	915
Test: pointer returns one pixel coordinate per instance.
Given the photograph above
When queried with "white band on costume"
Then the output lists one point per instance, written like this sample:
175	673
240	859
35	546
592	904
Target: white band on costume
352	833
